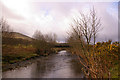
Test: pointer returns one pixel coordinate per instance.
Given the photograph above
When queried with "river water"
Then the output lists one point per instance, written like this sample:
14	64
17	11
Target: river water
61	65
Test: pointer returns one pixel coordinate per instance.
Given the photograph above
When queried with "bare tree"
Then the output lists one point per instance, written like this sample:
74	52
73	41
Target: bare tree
38	35
39	40
84	28
95	23
5	29
51	37
87	26
43	43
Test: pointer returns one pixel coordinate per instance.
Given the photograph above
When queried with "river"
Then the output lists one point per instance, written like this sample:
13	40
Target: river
61	65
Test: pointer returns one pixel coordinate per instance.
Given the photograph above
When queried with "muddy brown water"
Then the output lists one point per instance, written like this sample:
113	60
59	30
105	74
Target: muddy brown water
61	65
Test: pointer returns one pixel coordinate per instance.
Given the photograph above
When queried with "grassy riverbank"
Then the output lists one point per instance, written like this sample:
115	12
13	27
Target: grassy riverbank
18	53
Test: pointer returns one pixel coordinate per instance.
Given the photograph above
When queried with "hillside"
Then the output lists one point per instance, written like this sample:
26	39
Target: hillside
21	36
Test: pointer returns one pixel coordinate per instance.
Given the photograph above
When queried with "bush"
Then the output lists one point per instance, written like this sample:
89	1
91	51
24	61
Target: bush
100	61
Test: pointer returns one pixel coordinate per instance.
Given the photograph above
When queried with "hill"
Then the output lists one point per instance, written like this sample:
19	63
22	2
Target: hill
21	36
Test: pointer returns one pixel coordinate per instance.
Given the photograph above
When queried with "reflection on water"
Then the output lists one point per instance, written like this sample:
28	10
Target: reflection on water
61	65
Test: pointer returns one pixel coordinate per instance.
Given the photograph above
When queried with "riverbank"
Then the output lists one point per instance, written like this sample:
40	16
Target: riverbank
19	55
22	63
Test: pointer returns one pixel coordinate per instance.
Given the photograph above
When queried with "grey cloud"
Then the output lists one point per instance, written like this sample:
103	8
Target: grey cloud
62	10
109	23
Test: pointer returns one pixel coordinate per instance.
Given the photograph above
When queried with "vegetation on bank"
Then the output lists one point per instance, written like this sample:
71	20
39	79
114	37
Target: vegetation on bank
16	53
100	59
13	53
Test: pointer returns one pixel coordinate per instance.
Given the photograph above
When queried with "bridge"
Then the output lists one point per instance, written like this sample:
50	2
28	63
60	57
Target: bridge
62	45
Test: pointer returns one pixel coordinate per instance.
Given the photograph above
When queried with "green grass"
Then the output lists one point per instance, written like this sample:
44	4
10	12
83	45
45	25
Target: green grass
9	59
13	54
114	71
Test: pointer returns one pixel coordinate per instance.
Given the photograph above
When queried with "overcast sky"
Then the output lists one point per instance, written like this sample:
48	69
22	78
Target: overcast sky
27	16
